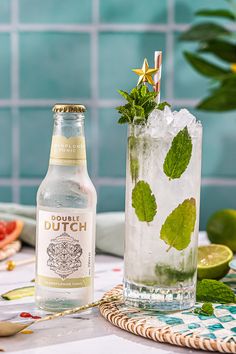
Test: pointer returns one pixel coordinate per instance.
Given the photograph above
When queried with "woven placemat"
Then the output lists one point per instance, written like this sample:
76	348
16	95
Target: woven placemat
211	333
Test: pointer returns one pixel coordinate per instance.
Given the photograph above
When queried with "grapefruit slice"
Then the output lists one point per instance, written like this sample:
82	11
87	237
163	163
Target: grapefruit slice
9	231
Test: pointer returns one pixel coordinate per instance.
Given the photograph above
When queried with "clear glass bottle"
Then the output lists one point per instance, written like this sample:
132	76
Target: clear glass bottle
66	211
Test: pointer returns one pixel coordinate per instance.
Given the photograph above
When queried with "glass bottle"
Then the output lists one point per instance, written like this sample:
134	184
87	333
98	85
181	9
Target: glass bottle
66	211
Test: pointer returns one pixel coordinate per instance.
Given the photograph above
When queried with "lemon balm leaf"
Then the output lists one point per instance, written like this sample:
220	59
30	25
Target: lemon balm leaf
144	202
179	225
179	155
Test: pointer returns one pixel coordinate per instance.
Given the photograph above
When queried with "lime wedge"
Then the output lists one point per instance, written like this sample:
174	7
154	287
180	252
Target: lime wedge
213	261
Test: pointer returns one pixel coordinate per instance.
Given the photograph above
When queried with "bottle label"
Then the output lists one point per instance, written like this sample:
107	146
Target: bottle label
64	249
67	151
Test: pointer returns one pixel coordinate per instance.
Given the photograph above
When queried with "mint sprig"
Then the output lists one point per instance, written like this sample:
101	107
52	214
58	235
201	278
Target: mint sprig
214	291
140	103
207	309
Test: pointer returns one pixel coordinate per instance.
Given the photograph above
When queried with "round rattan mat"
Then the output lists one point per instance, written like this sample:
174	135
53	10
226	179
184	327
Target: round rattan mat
185	329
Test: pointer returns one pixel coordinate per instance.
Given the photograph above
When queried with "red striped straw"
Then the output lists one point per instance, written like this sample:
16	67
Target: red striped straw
157	76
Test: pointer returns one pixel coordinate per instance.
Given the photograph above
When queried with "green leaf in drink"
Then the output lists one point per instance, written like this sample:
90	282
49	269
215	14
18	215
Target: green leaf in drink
179	225
178	157
144	202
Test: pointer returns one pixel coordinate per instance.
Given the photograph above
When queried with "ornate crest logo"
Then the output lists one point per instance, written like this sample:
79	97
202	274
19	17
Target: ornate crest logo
64	255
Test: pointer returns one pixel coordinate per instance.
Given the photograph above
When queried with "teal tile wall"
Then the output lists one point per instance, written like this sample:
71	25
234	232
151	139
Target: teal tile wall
83	51
111	198
6	194
35	135
55	11
52	65
116	62
133	11
28	195
5	142
5	74
215	198
112	146
5	12
185	9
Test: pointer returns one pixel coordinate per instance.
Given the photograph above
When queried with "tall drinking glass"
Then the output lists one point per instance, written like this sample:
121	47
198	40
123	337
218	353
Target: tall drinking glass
162	211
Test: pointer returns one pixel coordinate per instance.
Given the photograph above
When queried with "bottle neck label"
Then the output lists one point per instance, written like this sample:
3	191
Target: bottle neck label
68	151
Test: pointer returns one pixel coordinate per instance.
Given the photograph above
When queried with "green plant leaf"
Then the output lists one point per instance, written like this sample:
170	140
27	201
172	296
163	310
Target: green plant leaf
216	13
124	94
123	120
207	309
144	90
133	157
140	103
204	31
214	291
221	49
204	67
162	105
179	225
179	154
219	101
144	202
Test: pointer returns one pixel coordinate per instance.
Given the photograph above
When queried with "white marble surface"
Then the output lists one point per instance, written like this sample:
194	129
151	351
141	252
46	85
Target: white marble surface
83	333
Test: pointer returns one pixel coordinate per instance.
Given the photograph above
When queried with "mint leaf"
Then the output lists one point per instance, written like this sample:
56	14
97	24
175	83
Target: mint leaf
144	202
162	105
133	158
207	309
214	291
179	225
178	157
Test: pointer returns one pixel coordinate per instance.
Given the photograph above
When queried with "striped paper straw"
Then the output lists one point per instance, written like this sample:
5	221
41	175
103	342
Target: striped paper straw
157	76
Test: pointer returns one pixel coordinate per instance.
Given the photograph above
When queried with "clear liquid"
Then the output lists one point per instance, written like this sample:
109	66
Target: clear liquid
157	277
68	189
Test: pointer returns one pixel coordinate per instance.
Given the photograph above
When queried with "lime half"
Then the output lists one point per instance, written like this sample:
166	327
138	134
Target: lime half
213	261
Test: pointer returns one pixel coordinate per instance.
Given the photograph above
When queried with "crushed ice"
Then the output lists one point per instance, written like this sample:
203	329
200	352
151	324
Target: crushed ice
162	123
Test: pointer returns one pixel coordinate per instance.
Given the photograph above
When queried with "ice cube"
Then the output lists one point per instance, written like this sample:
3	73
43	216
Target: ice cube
183	118
166	123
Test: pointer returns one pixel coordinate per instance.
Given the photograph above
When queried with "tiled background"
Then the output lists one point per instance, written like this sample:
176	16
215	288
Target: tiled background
83	50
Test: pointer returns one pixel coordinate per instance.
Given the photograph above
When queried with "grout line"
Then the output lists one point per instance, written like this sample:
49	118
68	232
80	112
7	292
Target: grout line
20	182
94	88
218	181
113	181
101	103
102	27
15	95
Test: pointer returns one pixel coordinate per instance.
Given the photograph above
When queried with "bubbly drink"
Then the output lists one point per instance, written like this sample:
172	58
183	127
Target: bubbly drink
66	210
162	211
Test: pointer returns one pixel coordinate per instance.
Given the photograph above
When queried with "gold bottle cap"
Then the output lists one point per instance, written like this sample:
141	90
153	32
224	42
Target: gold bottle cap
69	107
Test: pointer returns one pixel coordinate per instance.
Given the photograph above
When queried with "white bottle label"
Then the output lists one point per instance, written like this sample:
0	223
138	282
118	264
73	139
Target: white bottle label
64	249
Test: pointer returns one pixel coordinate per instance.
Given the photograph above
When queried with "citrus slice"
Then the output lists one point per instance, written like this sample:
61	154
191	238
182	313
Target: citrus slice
9	231
213	261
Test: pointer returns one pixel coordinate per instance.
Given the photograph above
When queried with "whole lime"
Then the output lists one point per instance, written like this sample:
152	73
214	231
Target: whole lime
221	228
